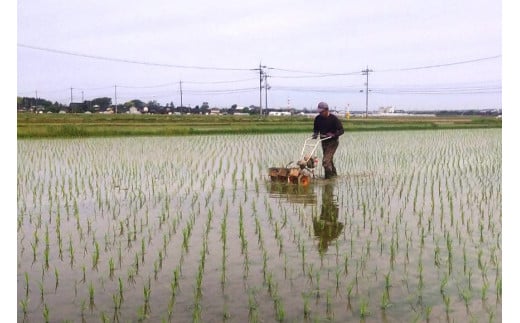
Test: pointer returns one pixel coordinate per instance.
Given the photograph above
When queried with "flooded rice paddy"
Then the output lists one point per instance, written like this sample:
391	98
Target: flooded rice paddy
190	229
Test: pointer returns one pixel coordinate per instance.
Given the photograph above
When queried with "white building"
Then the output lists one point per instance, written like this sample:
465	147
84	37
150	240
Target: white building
386	110
133	110
279	113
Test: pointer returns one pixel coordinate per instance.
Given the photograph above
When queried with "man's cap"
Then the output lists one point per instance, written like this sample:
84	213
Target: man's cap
322	106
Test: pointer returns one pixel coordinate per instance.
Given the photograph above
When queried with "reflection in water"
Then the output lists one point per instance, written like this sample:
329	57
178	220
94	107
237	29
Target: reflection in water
326	227
293	193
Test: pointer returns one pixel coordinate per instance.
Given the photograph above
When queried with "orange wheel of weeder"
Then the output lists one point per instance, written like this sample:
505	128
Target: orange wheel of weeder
303	180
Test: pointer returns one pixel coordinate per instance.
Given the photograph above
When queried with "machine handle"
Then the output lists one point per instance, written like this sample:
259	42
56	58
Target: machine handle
319	139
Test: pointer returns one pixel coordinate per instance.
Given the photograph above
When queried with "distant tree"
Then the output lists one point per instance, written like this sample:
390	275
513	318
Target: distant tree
56	107
152	104
26	103
88	106
135	103
43	103
103	103
77	107
204	108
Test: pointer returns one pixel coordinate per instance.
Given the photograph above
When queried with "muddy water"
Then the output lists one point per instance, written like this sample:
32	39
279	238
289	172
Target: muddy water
191	229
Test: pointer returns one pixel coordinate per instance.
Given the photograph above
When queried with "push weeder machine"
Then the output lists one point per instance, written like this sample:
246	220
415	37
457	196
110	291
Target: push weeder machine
302	171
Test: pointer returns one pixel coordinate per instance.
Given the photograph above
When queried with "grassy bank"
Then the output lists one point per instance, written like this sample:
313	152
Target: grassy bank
104	125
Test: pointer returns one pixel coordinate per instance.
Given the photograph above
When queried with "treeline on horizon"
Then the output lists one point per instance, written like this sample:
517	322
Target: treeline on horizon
104	104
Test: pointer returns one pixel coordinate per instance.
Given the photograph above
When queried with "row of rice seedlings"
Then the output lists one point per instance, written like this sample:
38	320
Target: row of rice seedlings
223	239
405	231
362	221
71	251
270	283
72	248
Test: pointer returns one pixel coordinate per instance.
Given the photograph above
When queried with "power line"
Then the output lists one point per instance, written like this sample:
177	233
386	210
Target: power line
327	74
314	89
313	73
185	82
398	90
122	60
440	91
441	65
221	91
220	82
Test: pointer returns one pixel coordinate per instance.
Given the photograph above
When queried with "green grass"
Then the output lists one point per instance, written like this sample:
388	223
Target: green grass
99	125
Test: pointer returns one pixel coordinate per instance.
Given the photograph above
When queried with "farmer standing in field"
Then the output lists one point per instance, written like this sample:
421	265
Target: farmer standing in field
328	125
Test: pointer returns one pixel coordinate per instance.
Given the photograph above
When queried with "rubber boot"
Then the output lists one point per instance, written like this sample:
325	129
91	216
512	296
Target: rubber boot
328	174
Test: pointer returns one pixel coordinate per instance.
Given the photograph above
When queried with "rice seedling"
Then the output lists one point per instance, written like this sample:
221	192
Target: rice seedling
350	287
46	257
95	256
329	311
279	309
491	317
385	300
498	289
120	289
146	295
143	250
306	306
42	291
466	296
225	313
317	287
364	310
252	307
91	293
116	299
447	304
470	274
57	278
24	303
420	270
483	291
26	278
45	313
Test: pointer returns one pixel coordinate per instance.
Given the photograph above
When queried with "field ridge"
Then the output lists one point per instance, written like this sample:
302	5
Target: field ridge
100	125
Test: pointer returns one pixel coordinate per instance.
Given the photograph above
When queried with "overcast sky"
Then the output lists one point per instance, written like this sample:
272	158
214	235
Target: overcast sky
422	54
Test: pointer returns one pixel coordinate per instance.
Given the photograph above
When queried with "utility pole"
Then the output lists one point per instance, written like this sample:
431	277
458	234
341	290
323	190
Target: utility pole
266	88
261	76
70	95
115	96
180	89
366	72
261	73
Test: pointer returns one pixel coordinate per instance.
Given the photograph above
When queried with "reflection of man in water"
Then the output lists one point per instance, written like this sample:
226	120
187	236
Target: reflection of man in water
326	227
